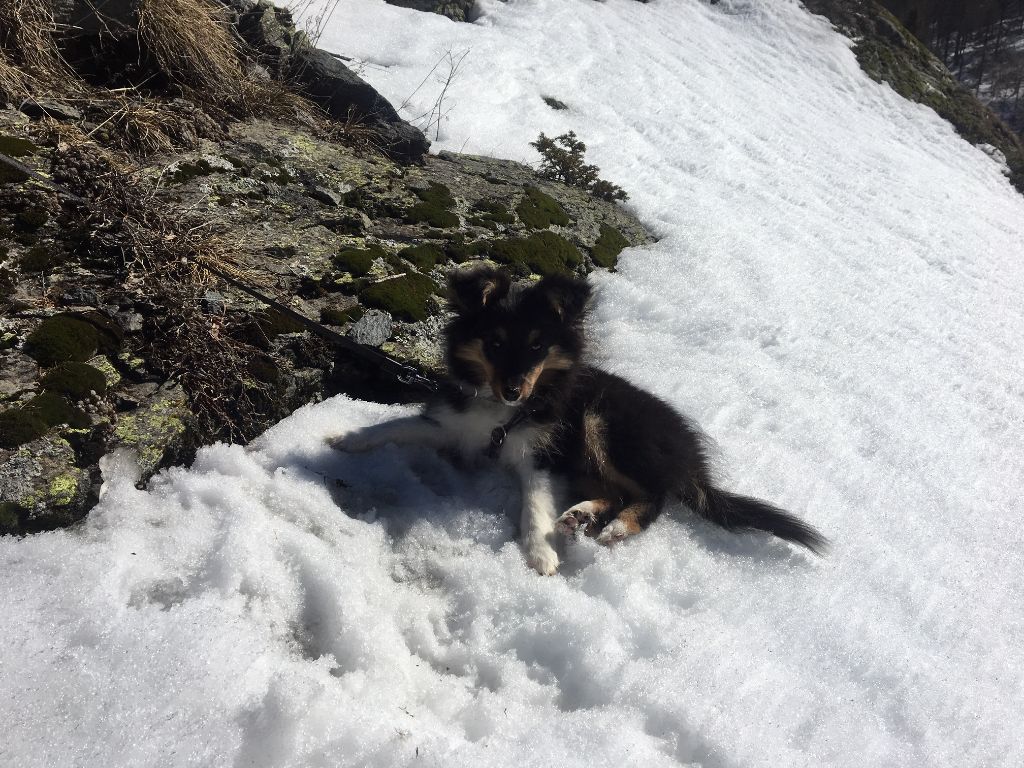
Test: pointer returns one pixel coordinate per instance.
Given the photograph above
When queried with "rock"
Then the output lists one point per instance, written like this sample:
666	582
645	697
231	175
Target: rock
19	373
325	196
159	431
131	322
343	95
213	303
41	487
49	108
456	10
79	296
373	328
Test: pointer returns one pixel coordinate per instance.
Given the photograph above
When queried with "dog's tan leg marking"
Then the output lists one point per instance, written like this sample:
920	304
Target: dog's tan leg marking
585	513
628	522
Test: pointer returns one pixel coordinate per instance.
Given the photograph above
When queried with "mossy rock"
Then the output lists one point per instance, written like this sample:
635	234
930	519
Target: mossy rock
42	487
62	338
459	251
434	208
188	171
159	431
335	316
423	256
609	245
15	146
406	297
539	211
75	380
55	409
491	214
542	253
358	261
19	426
274	323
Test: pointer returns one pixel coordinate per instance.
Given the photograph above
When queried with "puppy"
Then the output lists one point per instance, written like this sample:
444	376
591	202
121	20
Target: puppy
522	395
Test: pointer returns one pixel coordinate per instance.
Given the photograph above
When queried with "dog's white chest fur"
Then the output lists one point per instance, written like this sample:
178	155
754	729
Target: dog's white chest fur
470	430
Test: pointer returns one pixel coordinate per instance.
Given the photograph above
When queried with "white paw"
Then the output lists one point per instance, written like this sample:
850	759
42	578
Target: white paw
350	442
542	557
575	518
616	530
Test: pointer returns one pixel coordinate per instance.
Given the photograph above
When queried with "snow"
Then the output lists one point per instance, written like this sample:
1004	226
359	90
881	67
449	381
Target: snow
834	297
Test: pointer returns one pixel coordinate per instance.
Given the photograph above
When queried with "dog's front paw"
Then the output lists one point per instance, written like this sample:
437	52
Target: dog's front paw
350	442
580	516
541	556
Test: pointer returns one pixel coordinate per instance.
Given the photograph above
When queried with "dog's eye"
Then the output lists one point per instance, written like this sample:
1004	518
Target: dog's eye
536	346
495	343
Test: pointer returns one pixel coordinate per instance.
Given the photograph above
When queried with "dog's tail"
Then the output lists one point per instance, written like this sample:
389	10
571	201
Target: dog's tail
743	513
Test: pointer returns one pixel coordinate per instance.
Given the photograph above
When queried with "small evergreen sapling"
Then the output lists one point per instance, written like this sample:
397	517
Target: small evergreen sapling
562	160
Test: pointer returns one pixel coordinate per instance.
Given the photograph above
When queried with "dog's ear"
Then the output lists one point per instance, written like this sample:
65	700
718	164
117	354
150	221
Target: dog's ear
567	296
473	288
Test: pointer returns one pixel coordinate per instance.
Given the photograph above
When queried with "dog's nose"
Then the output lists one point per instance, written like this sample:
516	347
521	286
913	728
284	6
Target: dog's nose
511	391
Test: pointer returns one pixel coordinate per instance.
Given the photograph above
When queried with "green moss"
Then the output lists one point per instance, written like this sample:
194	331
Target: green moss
273	323
424	256
55	409
404	297
491	214
609	245
434	207
62	338
75	380
39	259
188	171
543	253
334	316
458	250
19	426
14	146
539	211
31	219
359	261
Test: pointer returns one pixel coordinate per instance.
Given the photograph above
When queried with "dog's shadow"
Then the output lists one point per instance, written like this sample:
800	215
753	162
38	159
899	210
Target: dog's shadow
401	486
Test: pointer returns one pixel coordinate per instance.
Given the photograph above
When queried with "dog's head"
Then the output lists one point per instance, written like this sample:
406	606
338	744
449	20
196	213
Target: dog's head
514	338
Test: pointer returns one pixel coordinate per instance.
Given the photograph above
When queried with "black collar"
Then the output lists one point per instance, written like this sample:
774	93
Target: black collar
499	433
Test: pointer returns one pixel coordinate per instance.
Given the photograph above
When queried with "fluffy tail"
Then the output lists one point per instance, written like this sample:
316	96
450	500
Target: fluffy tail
743	513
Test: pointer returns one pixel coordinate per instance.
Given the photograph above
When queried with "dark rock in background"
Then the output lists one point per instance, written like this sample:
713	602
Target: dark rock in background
456	10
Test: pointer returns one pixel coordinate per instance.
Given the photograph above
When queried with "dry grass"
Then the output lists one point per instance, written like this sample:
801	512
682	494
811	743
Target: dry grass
29	60
194	45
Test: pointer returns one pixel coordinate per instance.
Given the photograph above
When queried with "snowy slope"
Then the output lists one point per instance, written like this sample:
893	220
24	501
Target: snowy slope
835	297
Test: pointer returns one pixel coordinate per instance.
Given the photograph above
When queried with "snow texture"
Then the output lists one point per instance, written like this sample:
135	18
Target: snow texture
834	297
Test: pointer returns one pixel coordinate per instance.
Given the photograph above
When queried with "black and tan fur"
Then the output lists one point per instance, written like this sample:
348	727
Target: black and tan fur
621	452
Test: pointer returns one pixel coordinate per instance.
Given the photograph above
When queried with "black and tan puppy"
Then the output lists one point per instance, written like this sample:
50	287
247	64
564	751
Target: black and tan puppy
524	396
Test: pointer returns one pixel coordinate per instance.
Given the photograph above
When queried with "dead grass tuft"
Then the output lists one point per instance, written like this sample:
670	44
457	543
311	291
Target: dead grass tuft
29	59
194	45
